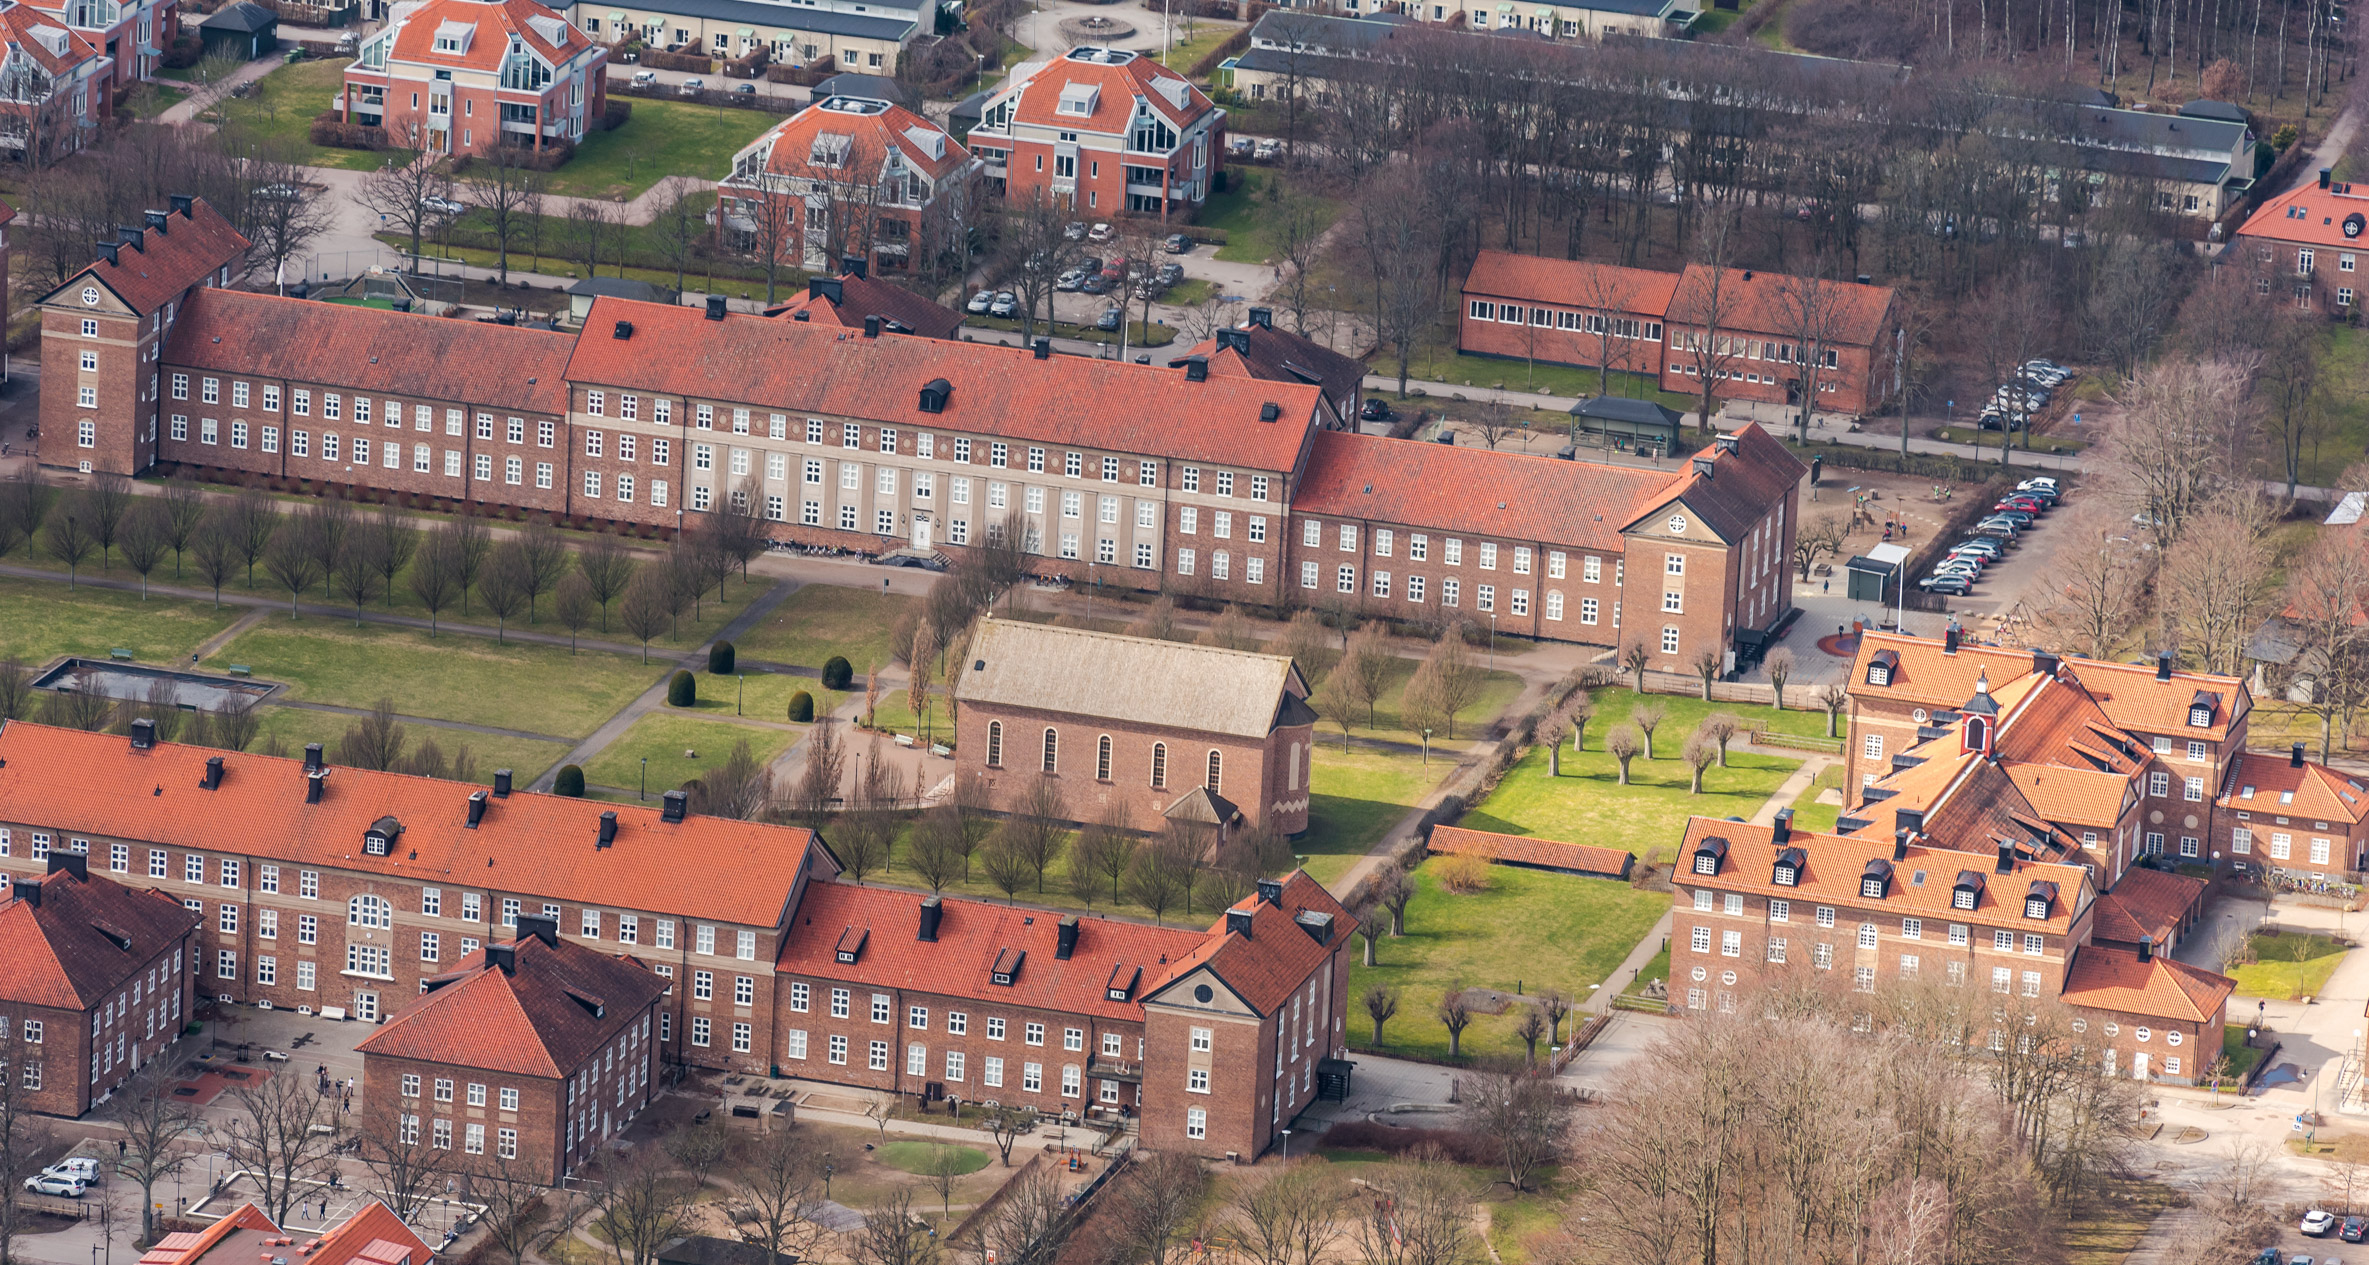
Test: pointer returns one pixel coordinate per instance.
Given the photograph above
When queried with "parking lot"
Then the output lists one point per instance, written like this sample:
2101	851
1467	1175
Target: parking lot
1998	566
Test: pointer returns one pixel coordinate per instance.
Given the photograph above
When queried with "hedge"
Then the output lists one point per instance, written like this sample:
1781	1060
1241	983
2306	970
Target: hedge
802	707
837	673
681	689
720	658
570	782
332	131
660	59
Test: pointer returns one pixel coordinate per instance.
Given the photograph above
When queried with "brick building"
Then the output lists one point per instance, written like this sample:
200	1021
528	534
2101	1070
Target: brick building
846	176
104	329
2306	244
422	76
127	39
95	979
58	96
536	1050
1147	729
2297	818
1565	311
854	296
1104	132
1256	349
373	1235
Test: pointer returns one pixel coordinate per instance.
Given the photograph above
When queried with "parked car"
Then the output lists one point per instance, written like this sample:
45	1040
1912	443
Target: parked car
80	1168
280	192
1096	284
1171	273
1179	244
443	206
1099	233
1376	409
746	90
1074	231
1109	321
1069	281
644	78
1090	265
1238	146
1006	304
50	1184
979	303
1950	585
2318	1223
1266	150
693	87
2355	1229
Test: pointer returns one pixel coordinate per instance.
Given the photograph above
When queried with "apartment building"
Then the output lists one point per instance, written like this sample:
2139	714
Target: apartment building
1103	131
126	38
1565	311
2308	243
96	979
1143	730
1256	349
846	176
423	75
867	35
535	1050
58	83
2297	818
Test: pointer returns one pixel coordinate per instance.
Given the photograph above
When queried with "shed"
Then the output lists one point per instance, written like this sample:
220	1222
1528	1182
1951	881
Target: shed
581	294
967	113
1875	575
1626	423
242	30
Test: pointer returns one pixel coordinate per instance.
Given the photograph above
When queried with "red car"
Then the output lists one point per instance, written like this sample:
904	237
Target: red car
2024	503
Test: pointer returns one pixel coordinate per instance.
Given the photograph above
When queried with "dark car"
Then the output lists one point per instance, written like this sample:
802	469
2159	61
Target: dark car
2355	1229
1179	244
1095	284
1952	585
1376	410
1108	322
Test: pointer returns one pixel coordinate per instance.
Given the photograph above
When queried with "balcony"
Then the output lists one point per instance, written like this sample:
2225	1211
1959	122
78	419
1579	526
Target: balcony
1103	1067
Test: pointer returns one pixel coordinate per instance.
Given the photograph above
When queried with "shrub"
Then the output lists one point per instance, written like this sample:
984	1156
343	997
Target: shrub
1459	1145
1462	875
616	115
185	51
836	672
720	658
570	782
327	129
802	707
682	690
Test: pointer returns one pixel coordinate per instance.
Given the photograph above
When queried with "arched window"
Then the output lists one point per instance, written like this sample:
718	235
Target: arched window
369	911
1159	766
1217	768
995	744
1052	750
1102	758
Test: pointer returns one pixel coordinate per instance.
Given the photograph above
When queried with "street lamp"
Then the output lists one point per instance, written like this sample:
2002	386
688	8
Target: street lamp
1492	641
742	694
1287	1146
1427	748
644	792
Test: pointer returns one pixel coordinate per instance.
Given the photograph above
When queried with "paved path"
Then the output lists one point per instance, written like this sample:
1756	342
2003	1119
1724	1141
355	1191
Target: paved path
490	731
1791	789
186	110
213	644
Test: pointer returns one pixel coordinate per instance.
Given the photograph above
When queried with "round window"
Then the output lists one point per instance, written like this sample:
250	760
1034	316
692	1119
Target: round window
1677	524
2113	1029
1728	978
2142	1035
1698	975
1919	715
1202	992
2081	1025
90	296
2171	1036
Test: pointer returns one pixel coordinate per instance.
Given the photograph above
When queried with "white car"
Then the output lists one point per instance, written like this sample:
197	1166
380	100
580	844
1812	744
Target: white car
693	87
979	303
2318	1223
443	206
1266	150
644	78
79	1168
1098	233
48	1184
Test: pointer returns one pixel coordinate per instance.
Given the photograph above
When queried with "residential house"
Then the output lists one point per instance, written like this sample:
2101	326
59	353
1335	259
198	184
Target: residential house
2308	242
542	82
2297	819
55	84
847	178
1103	131
868	35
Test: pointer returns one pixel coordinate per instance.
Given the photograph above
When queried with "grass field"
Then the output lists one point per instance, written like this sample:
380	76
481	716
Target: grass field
538	689
663	737
662	138
40	620
1243	210
1614	703
279	114
1356	797
820	620
1389	725
1482	373
1808	814
1529	929
293	727
2240	1056
1648	817
916	1157
2113	1221
2287	965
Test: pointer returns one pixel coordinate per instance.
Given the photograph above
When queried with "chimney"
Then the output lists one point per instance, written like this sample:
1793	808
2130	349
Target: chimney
1270	411
136	238
503	956
2006	862
158	220
673	805
312	756
1233	339
143	734
2046	663
313	782
1042	349
543	929
1949	639
715	307
113	251
1702	466
477	802
1196	369
1899	845
1238	922
932	909
2146	948
1065	937
623	331
854	266
182	202
871	327
1271	891
1784	827
608	829
801	316
2295	756
1910	819
73	863
501	783
825	288
27	890
213	778
2324	174
2163	666
1263	317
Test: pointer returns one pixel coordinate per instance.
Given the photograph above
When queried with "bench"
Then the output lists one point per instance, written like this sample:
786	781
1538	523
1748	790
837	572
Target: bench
241	669
120	655
904	740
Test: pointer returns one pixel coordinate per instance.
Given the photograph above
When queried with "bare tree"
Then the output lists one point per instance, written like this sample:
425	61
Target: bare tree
268	1133
1380	1000
435	575
641	1203
1647	716
186	513
514	1201
2212	585
501	185
1623	744
145	536
893	1234
1454	1012
2177	442
1425	1217
402	196
155	1123
1525	1114
1295	1218
1780	665
644	611
1006	1125
1148	1209
1393	888
1814	314
25	1135
404	1165
507	586
1710	296
67	536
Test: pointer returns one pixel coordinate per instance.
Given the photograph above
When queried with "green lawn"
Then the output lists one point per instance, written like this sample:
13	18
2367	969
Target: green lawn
1529	930
663	737
1241	210
2240	1056
915	1157
821	620
1191	48
663	138
1656	967
1808	814
1357	797
154	99
1388	723
1517	1223
1443	363
2287	965
2346	428
1614	703
1647	817
40	620
529	759
280	111
539	689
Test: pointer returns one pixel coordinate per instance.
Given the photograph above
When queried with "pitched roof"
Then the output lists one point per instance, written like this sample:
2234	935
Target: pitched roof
2076	797
553	1007
997	390
1751	471
373	1235
1772	303
183	1247
1456	488
1550	854
1137	680
43	39
484	31
856	134
241	15
2108	977
2128	694
372	349
1571	283
1261	351
971	936
891	22
2274	784
96	784
2147	902
1282	950
190	246
1834	864
843	302
82	938
1109	81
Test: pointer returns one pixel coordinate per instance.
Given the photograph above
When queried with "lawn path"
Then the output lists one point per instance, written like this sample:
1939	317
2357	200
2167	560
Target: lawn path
215	643
1792	789
654	697
490	731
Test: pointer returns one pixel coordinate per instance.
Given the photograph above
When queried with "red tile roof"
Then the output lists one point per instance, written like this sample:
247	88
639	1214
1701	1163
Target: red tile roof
28	31
1120	80
869	128
371	349
970	935
1834	864
373	1235
1769	303
1550	854
1455	488
193	246
997	390
95	784
2106	977
83	939
2312	216
1570	283
2147	902
2273	784
2128	694
494	24
859	297
1262	351
1751	471
182	1247
1279	955
553	1008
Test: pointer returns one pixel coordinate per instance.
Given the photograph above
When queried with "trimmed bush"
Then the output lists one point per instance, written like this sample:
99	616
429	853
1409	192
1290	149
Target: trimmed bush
836	672
570	782
1463	874
802	707
681	689
720	658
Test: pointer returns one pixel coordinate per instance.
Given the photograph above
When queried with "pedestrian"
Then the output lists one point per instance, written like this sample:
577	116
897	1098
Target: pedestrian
1826	585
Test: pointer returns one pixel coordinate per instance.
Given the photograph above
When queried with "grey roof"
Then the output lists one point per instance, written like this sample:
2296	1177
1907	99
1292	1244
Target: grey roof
700	1249
241	16
1203	805
1141	680
1872	566
2125	162
972	107
877	87
2150	130
1622	409
1321	32
618	288
2222	110
794	17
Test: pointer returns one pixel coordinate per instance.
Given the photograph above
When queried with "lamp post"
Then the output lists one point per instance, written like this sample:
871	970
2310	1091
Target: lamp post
742	694
1287	1146
827	1171
1492	641
644	792
1427	748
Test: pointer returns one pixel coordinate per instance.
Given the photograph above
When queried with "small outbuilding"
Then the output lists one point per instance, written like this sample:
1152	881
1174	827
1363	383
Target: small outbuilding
581	294
241	30
1876	574
1636	425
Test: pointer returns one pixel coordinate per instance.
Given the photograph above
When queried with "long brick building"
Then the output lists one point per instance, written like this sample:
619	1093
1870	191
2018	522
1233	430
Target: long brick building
1202	476
347	893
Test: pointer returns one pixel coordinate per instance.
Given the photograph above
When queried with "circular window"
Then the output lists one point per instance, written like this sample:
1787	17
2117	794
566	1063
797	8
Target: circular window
2081	1025
2141	1035
1698	975
1919	716
2171	1036
90	296
1728	978
1201	992
1677	524
2113	1029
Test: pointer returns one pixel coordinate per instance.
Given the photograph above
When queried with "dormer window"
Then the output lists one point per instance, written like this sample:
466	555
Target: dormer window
1875	882
379	840
1787	876
2200	717
2034	907
2039	901
454	37
1007	966
1962	898
1708	854
1882	666
1788	868
2201	709
1871	887
851	945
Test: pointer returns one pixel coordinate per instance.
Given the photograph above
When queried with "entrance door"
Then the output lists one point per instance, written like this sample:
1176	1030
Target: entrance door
366	1007
921	532
2138	1066
2109	1061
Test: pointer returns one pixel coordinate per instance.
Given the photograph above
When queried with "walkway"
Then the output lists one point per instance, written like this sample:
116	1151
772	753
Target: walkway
186	110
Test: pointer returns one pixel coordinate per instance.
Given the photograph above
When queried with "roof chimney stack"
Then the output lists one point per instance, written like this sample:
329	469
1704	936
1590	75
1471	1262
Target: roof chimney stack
871	327
477	802
932	909
2006	862
313	783
543	929
113	251
1065	937
1899	845
1263	317
312	756
827	288
715	307
673	805
158	220
2146	948
2325	173
143	734
608	829
1702	466
1196	368
1784	827
1270	890
1238	922
182	202
501	783
2295	756
1042	349
73	863
213	777
854	266
503	957
27	890
2163	666
1949	639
